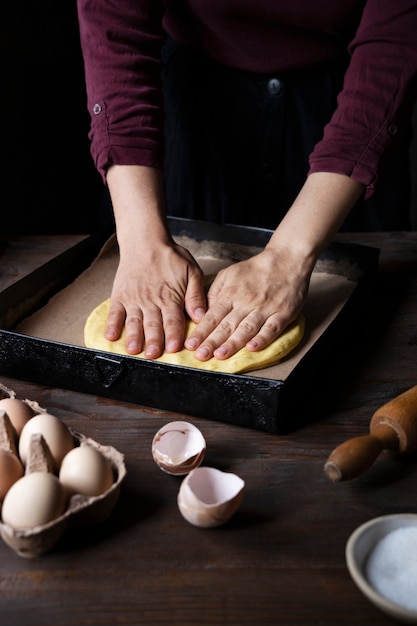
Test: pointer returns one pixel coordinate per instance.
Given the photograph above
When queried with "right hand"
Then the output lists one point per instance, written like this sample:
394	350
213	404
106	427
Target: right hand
150	292
157	280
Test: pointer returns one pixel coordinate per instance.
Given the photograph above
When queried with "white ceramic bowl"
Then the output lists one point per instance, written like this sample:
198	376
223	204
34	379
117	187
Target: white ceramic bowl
359	547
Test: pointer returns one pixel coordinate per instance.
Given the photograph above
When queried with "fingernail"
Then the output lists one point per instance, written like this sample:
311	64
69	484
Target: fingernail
221	352
133	347
191	343
199	313
151	352
203	352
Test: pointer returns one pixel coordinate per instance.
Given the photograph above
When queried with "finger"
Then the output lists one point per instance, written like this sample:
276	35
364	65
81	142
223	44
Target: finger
154	334
205	328
229	336
115	321
252	332
195	299
164	331
174	327
134	335
273	328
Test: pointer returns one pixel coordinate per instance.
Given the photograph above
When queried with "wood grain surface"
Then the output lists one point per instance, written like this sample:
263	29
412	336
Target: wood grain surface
281	559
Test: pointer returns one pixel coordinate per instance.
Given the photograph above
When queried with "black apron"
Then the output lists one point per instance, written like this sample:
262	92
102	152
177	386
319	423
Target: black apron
238	143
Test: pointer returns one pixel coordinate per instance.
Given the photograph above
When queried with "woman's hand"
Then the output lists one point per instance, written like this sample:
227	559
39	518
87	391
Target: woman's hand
148	297
156	280
250	304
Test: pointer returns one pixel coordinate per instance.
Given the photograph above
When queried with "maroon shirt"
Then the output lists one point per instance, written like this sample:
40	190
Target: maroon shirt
121	44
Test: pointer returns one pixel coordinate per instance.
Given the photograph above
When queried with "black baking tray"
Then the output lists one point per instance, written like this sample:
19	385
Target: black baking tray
274	406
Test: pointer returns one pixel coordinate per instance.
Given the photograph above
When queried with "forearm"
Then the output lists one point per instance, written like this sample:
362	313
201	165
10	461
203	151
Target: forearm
316	215
156	278
139	211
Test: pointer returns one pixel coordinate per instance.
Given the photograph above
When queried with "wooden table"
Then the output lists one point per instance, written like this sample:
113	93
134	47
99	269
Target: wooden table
281	559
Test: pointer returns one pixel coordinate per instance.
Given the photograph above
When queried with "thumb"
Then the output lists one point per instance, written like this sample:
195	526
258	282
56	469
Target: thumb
195	299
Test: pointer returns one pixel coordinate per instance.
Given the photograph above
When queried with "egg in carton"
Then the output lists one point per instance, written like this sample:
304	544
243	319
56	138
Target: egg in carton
43	466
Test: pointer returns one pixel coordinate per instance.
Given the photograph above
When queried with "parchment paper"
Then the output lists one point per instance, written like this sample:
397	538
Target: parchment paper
63	318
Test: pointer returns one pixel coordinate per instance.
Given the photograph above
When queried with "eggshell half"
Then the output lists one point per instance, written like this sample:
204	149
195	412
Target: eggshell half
178	447
209	497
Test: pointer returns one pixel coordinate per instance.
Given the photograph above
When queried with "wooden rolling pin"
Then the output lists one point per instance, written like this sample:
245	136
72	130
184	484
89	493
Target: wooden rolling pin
393	427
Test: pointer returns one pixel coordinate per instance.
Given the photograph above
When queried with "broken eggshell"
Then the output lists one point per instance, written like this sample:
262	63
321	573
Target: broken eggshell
208	497
178	447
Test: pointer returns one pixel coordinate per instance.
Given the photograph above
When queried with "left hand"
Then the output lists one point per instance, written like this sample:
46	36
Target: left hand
250	304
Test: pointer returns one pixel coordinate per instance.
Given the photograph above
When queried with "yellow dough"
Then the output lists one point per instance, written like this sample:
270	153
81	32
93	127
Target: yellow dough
242	361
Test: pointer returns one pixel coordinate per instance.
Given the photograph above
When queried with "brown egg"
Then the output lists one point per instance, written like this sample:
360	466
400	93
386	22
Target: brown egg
19	412
34	500
56	434
85	470
11	470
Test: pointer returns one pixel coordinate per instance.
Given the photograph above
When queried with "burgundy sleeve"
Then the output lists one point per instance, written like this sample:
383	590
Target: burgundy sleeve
121	42
378	93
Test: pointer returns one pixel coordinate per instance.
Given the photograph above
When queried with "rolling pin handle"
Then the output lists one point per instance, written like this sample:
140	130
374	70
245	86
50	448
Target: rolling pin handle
355	456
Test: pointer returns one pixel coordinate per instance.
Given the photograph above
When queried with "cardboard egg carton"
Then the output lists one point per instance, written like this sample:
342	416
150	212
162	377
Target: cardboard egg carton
33	542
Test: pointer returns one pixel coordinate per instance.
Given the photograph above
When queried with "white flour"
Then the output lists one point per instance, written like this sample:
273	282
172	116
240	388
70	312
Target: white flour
392	567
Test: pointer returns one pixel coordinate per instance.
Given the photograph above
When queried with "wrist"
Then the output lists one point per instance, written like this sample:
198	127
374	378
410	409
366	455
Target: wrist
139	211
316	215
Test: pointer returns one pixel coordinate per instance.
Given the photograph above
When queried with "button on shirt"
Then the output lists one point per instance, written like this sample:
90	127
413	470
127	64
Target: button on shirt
274	86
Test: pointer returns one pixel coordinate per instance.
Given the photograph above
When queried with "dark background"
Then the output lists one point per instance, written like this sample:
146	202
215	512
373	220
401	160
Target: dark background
48	183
